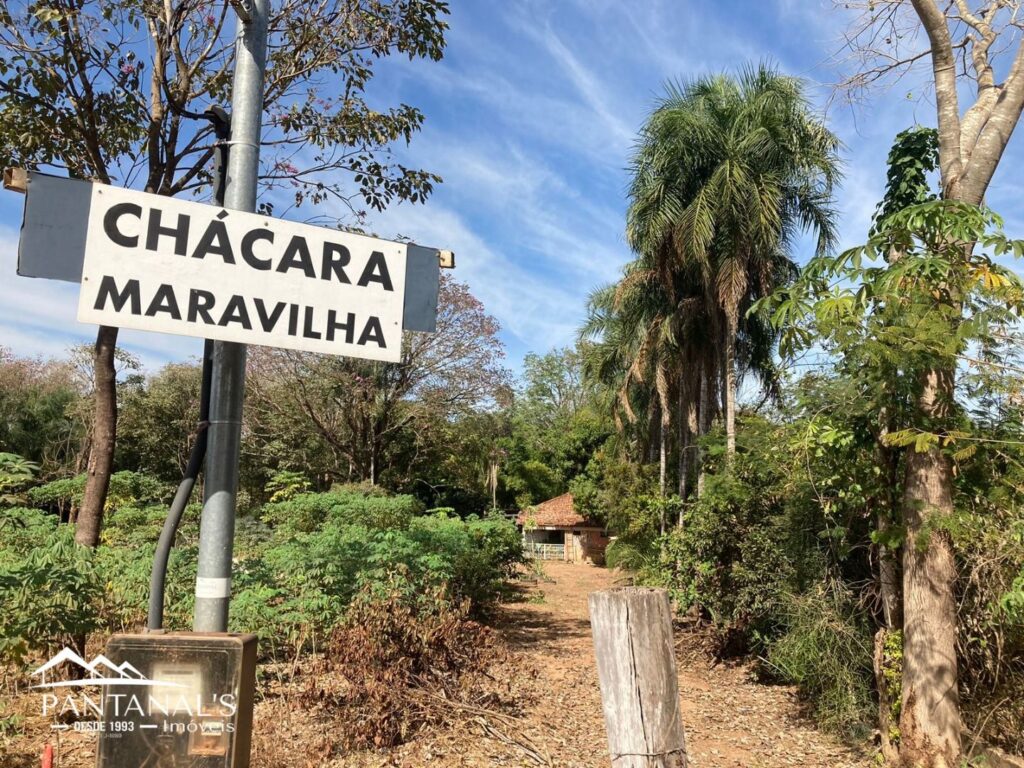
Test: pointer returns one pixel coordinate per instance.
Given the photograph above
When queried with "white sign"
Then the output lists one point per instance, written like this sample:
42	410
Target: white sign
155	263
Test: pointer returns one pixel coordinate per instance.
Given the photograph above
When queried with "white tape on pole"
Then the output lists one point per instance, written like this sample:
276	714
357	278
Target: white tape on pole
212	588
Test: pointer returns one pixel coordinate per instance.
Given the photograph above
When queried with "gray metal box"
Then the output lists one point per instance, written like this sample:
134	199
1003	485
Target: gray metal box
186	701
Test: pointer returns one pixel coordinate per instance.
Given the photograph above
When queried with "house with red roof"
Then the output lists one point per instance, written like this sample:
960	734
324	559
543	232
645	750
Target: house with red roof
554	530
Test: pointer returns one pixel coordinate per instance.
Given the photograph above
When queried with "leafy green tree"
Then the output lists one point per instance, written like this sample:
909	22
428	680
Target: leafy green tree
977	110
119	93
910	303
351	420
633	353
554	389
40	414
157	421
555	425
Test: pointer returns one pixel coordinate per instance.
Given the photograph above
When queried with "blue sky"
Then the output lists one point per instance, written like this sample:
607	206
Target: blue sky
530	119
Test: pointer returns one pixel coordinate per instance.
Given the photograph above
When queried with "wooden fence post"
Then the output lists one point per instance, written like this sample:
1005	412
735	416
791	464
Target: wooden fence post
636	665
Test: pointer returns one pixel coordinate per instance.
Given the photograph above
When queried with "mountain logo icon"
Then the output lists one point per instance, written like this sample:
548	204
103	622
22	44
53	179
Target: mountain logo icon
100	671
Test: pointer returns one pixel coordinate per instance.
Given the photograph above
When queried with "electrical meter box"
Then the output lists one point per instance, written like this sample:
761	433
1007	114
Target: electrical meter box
177	700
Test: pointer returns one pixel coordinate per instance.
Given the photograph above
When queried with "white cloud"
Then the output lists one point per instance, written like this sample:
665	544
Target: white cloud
536	310
594	93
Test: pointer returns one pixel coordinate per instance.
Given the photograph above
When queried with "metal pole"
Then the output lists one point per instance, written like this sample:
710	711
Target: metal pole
217	527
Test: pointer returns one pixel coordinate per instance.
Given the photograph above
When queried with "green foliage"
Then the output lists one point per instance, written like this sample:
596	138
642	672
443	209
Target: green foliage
733	557
620	493
532	483
548	435
930	295
1012	602
892	675
297	585
16	472
51	597
825	648
895	319
157	417
40	411
914	154
21	530
285	485
96	131
297	568
127	488
309	511
753	551
638	557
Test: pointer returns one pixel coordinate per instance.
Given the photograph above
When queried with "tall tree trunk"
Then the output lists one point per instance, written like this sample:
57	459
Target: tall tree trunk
692	444
686	416
970	148
704	424
887	665
494	485
682	443
663	463
930	719
729	377
104	438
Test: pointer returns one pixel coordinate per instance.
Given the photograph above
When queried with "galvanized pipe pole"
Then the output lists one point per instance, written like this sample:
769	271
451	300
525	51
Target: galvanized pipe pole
217	527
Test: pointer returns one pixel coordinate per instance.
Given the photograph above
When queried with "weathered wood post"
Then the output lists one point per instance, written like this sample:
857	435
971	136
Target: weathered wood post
636	665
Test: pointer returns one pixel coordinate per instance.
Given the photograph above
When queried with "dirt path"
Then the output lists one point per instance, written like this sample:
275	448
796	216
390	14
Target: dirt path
730	721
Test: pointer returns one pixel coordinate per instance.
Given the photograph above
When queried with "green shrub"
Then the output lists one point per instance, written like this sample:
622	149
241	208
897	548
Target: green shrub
297	569
732	558
50	598
16	474
297	578
826	649
22	530
308	511
286	484
633	556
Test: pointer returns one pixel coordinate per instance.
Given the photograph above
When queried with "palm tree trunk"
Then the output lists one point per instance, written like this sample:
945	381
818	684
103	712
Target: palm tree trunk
730	389
104	437
663	462
692	446
683	446
703	424
493	480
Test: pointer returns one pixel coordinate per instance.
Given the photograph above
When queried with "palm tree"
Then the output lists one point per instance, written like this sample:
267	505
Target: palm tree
629	352
726	174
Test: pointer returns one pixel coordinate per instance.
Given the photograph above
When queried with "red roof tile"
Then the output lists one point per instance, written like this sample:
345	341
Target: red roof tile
557	512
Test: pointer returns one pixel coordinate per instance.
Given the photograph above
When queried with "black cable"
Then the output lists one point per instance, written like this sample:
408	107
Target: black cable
158	577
